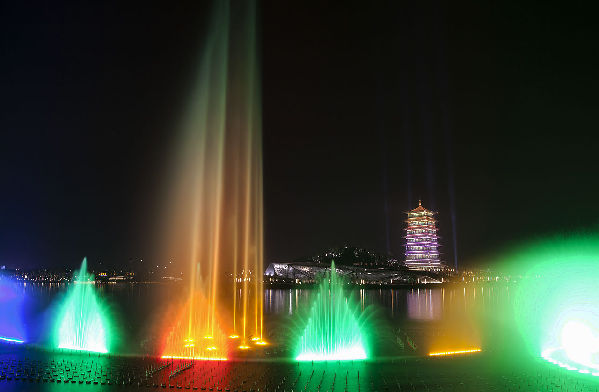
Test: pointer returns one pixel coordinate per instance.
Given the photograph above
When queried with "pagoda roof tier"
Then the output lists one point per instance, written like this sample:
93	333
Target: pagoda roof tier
420	209
421	217
422	261
421	221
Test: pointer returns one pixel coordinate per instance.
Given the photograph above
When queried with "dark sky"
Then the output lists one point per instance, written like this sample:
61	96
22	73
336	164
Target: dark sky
487	111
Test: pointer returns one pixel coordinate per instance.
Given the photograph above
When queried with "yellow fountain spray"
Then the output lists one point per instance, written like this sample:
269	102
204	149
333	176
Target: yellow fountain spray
215	214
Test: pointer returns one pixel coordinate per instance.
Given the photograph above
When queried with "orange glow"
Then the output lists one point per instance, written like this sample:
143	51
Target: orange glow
193	358
442	353
186	335
213	224
244	347
261	343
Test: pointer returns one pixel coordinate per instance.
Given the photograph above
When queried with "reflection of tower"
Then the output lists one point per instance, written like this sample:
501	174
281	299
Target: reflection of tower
425	304
422	241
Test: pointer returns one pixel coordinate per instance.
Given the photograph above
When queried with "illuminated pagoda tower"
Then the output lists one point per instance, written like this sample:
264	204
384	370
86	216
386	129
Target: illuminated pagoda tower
422	241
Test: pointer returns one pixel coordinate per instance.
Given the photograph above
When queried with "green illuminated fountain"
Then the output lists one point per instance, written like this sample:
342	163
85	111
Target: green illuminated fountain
332	331
556	301
82	323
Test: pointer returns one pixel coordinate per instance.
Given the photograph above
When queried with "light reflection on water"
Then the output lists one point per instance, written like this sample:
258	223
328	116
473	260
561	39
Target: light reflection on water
442	312
424	304
436	318
404	303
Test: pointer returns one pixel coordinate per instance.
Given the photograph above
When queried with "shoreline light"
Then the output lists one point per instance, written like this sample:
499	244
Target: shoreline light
193	358
11	340
443	353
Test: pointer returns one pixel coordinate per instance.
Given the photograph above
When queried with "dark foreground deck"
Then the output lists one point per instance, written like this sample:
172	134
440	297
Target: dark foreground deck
27	369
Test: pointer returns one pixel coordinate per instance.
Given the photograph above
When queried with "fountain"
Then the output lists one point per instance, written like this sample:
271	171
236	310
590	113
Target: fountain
333	331
82	323
191	336
213	219
555	298
11	301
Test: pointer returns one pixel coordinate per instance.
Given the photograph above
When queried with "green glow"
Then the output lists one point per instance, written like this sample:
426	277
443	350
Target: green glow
332	331
580	343
556	301
82	324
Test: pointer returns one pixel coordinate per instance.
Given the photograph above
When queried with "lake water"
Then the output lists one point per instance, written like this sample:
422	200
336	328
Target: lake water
434	319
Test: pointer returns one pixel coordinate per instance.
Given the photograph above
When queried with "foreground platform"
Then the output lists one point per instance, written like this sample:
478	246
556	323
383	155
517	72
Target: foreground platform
26	369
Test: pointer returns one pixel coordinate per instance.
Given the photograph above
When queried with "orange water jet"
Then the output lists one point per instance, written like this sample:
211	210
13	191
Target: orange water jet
214	220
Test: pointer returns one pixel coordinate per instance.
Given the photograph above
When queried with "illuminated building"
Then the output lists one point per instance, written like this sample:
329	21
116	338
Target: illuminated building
422	242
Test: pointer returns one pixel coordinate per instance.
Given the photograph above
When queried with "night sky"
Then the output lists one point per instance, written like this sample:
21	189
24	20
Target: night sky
487	111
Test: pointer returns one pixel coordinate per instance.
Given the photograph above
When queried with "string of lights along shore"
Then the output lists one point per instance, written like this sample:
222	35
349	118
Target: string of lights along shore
422	241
